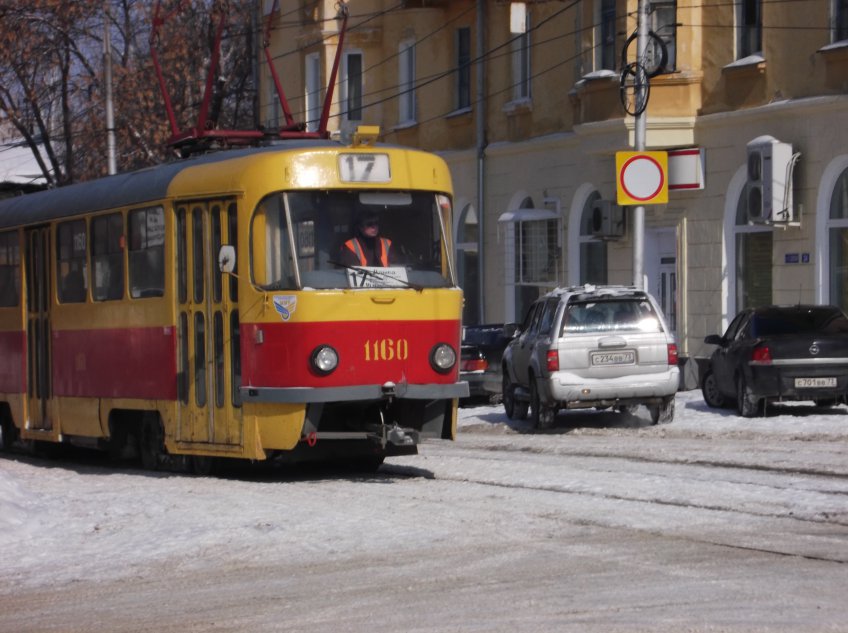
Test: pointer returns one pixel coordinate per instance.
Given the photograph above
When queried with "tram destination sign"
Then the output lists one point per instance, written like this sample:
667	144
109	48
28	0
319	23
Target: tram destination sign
364	168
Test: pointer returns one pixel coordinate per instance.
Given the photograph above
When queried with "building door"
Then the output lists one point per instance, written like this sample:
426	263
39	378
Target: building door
38	328
661	271
207	326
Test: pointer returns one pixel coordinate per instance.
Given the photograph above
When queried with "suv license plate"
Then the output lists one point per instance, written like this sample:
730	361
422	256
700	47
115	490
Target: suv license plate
812	383
626	357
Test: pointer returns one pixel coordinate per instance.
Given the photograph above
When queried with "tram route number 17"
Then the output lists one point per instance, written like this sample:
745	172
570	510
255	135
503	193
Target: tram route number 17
364	168
386	349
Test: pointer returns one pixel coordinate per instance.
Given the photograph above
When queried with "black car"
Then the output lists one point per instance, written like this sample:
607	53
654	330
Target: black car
775	353
480	358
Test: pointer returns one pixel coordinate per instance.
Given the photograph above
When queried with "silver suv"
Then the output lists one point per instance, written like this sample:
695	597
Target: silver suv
591	346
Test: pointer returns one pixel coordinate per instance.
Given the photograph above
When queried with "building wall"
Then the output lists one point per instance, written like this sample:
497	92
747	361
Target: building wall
558	145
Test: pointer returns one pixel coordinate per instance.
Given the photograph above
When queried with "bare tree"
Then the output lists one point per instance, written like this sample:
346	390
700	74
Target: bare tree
51	69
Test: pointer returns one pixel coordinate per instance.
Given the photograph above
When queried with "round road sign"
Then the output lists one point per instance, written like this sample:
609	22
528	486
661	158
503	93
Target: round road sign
642	178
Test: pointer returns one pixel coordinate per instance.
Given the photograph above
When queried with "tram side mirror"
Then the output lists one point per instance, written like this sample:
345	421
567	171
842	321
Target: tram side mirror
227	258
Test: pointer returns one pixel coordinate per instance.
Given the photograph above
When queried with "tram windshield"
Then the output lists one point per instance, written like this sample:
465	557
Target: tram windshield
350	239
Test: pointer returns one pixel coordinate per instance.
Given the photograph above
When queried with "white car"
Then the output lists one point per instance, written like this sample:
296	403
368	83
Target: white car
591	346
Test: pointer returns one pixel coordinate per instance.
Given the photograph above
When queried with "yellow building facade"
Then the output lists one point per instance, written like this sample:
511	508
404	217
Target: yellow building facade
524	101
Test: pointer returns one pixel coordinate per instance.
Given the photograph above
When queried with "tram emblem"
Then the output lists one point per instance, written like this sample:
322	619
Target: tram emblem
285	305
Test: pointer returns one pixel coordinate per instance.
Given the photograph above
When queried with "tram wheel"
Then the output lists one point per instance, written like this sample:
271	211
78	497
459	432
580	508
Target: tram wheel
150	442
202	465
8	434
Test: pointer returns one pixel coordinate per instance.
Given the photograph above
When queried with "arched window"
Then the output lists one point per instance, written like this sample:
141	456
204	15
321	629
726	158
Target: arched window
532	259
593	252
468	263
838	242
753	259
526	242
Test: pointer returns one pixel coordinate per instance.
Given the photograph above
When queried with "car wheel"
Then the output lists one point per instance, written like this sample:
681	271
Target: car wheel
826	403
542	416
712	396
508	396
514	409
747	404
663	413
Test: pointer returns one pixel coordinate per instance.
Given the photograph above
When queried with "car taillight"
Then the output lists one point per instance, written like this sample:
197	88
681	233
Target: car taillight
761	355
672	354
553	360
475	364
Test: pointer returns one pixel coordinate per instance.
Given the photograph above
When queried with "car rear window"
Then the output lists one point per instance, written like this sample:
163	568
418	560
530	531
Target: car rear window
610	315
778	323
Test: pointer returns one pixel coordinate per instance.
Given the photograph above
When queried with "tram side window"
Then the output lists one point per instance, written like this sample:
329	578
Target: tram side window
147	253
272	264
70	262
107	257
10	270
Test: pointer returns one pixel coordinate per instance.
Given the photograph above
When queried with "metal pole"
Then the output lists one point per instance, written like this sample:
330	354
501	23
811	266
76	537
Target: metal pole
107	80
481	157
640	133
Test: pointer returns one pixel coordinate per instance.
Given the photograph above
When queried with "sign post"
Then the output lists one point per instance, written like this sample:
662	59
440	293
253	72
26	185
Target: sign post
640	133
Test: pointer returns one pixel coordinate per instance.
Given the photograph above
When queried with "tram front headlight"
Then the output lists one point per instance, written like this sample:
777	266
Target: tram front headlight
442	358
324	359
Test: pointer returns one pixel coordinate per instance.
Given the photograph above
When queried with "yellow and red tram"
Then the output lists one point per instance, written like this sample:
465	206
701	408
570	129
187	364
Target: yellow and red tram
202	308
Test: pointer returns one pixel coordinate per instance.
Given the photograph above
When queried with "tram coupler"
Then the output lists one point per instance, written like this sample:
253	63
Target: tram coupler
393	434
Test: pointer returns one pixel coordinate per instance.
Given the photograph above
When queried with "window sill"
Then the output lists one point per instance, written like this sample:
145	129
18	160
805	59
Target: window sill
404	125
753	64
458	112
604	73
593	79
835	52
518	106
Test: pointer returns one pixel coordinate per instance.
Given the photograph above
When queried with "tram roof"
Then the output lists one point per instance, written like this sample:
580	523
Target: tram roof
121	190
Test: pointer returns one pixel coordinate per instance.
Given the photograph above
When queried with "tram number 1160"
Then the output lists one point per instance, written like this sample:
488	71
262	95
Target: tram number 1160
386	349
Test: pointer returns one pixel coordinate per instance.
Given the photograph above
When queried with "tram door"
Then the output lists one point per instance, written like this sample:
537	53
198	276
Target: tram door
207	326
38	328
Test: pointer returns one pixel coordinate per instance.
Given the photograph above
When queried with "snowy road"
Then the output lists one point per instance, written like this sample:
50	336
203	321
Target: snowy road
712	523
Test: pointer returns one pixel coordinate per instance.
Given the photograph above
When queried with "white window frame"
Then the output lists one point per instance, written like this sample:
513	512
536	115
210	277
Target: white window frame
514	223
345	84
838	15
824	223
601	25
519	27
406	83
739	16
576	239
312	90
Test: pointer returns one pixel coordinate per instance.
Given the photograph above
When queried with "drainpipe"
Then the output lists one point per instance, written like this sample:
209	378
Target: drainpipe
482	104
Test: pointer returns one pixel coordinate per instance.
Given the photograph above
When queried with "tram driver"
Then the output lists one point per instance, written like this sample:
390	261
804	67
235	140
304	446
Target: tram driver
367	247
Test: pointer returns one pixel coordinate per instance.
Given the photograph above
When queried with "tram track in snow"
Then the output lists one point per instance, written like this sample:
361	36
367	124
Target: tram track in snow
405	472
560	450
818	527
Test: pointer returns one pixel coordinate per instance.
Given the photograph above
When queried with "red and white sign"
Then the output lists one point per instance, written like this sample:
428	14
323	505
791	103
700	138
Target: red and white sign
686	169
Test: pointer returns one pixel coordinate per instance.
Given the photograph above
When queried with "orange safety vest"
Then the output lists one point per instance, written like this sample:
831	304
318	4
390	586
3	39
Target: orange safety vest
356	248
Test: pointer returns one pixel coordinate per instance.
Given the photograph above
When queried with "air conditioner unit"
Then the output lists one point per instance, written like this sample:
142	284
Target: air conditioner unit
768	190
607	220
